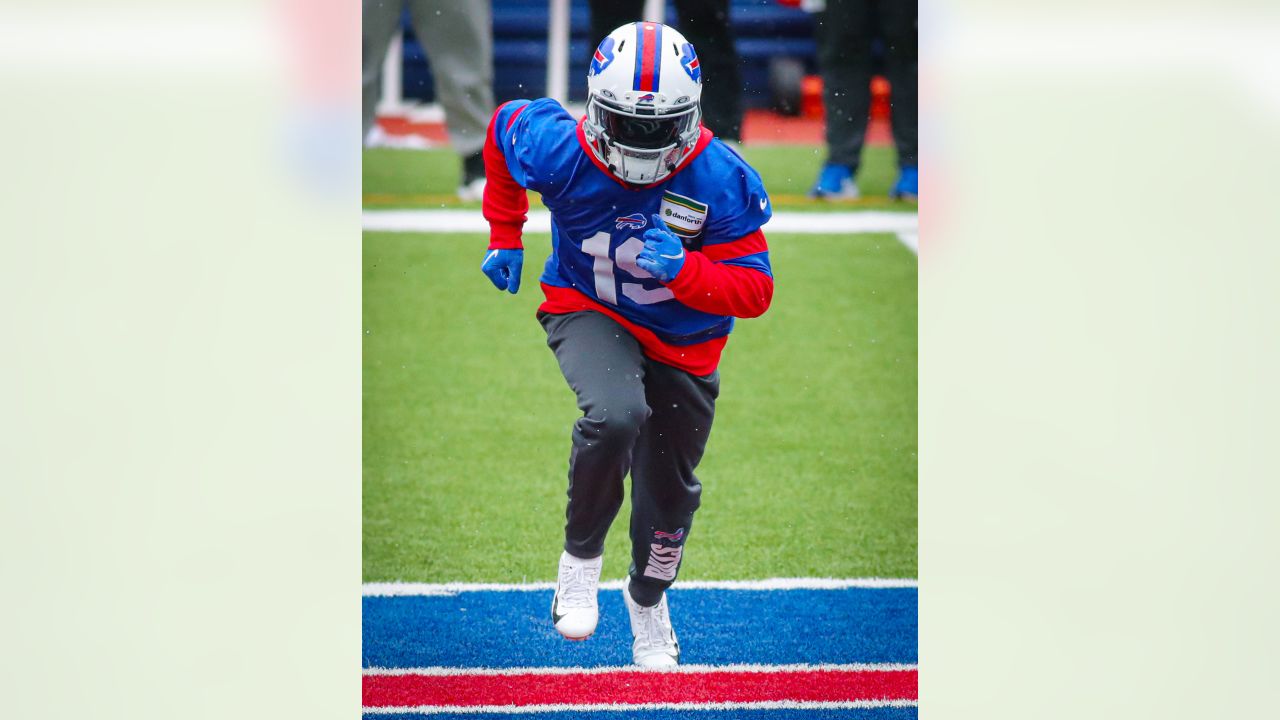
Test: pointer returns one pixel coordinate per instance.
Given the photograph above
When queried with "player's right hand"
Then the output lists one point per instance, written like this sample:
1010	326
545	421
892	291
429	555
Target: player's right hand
503	268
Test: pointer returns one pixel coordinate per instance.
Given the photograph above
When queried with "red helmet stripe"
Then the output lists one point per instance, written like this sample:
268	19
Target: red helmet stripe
649	53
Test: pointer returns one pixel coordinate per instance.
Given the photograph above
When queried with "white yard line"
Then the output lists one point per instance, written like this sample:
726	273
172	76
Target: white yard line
453	221
911	240
440	671
604	707
391	589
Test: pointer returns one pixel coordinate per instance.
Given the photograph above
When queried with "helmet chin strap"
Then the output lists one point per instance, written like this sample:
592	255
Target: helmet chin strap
671	167
613	167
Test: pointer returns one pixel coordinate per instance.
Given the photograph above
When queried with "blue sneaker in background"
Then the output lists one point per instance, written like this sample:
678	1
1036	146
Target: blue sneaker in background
835	182
907	185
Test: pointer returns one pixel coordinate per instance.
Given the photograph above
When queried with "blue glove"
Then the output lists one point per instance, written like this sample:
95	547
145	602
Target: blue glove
663	253
503	268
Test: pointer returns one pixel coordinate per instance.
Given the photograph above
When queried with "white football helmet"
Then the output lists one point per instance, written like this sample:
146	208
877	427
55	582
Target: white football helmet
643	93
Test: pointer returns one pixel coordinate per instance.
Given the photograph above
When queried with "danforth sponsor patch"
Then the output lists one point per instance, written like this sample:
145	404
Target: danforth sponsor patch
685	216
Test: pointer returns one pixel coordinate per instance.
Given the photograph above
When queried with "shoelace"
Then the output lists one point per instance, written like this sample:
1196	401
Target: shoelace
576	590
654	626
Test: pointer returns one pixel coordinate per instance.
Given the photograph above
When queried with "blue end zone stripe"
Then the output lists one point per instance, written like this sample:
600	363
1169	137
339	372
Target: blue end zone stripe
635	83
716	627
885	713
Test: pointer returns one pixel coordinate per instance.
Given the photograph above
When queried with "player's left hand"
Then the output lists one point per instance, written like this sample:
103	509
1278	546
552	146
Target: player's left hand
663	253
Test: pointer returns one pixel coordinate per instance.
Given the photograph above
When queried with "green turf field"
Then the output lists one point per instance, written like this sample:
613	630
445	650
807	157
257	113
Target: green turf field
811	467
428	178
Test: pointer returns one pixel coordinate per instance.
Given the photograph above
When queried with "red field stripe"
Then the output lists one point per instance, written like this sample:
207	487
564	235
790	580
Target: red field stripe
631	687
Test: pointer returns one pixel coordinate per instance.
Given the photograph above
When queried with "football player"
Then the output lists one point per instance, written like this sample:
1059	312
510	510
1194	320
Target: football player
656	249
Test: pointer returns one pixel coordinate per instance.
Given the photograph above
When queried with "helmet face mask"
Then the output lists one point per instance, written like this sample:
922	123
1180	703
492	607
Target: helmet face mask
643	93
646	132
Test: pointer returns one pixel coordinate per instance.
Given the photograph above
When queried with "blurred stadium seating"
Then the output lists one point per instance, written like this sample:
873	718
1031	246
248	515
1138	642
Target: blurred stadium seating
764	29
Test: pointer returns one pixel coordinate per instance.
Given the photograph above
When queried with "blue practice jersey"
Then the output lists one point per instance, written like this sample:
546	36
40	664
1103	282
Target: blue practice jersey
597	222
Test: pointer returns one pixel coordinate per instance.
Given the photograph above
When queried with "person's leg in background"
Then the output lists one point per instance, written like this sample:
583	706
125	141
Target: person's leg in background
898	27
844	32
378	22
706	24
458	40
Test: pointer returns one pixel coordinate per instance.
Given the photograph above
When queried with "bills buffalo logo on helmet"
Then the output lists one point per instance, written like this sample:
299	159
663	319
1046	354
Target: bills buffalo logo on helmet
634	220
603	57
689	61
646	98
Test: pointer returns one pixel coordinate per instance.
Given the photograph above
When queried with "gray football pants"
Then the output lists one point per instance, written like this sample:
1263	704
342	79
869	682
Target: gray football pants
639	415
458	40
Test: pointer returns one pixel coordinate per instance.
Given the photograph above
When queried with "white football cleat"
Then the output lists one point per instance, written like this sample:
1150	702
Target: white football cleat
574	609
655	644
472	191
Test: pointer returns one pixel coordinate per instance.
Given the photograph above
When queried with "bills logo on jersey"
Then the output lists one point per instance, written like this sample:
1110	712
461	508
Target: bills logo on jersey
603	57
689	61
634	221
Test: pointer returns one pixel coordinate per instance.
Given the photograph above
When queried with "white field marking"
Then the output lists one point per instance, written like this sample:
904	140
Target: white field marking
911	240
379	138
393	589
604	707
440	671
450	221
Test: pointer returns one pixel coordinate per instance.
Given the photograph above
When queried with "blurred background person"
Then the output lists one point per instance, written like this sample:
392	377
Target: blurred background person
845	32
705	23
458	40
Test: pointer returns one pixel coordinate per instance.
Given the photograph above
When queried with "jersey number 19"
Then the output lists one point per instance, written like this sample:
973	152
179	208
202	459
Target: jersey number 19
597	246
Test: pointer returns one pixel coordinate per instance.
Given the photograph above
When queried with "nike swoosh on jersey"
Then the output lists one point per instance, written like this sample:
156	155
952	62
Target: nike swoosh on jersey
763	203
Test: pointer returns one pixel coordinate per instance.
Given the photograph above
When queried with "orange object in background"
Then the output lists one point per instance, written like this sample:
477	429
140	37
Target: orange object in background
880	107
811	97
879	131
759	126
